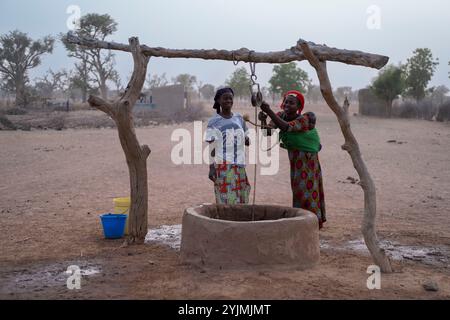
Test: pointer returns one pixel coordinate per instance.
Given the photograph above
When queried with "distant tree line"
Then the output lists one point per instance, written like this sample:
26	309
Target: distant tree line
409	82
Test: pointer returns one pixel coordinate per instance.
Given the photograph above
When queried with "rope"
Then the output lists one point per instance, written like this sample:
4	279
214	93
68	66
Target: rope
262	127
256	99
256	165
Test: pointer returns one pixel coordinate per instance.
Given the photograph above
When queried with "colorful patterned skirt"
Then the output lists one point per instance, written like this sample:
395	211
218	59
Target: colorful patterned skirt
231	185
306	183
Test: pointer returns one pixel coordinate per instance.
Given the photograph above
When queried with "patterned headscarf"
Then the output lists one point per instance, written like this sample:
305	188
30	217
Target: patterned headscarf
299	97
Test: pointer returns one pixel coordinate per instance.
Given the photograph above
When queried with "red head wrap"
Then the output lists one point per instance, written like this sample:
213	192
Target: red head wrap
299	97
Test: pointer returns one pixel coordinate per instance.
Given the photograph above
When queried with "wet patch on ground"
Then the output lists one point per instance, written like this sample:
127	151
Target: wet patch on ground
170	235
42	277
436	256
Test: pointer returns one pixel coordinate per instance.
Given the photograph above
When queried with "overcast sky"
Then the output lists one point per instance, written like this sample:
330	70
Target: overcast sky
255	24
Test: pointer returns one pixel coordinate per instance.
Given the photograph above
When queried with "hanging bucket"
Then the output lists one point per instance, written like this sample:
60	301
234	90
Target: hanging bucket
122	206
113	225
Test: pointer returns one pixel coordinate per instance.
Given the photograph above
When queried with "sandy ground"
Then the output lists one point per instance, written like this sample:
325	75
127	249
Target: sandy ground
55	184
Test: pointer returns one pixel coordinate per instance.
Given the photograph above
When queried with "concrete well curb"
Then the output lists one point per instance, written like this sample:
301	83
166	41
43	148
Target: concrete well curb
224	236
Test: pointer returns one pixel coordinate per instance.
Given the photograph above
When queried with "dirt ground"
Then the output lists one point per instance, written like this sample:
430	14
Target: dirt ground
55	184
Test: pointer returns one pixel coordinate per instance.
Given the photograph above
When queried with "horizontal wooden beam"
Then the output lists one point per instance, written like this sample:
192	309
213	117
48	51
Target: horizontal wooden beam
322	52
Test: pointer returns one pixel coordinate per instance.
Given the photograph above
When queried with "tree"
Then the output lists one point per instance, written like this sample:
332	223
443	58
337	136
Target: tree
100	65
240	82
7	85
287	77
198	85
156	81
81	78
51	82
187	80
115	78
3	92
207	91
418	70
18	54
388	85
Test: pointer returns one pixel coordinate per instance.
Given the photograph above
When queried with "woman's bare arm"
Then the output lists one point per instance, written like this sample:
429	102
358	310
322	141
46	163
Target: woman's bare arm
280	123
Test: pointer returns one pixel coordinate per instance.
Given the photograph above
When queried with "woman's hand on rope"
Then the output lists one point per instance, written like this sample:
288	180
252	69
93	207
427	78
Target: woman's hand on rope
265	107
212	173
262	116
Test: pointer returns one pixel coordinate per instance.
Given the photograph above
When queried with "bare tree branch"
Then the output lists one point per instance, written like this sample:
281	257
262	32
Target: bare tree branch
321	68
102	105
6	71
133	90
145	151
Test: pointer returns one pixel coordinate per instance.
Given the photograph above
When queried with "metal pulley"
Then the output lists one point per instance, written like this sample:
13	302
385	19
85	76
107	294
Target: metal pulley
256	97
255	89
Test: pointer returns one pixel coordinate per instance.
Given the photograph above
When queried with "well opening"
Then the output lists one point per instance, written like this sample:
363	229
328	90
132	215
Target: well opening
247	213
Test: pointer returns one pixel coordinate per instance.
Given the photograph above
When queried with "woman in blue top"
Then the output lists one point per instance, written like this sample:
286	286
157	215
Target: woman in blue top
228	132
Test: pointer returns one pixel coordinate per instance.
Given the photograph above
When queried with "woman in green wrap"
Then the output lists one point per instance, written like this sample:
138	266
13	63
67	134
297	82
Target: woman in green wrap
300	137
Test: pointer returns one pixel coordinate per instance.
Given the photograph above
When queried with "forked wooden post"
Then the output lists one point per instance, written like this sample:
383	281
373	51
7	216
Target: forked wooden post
317	55
136	155
352	147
